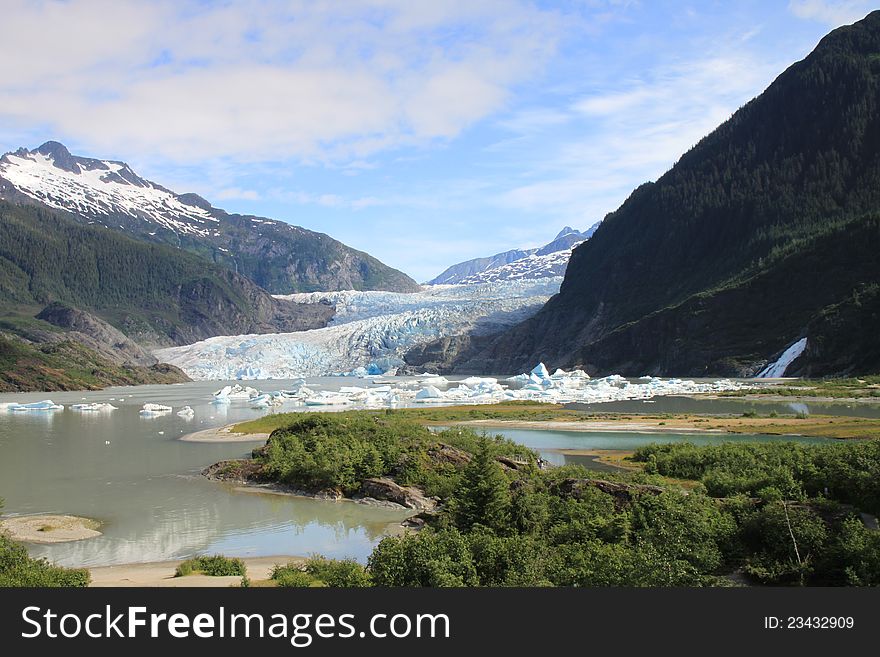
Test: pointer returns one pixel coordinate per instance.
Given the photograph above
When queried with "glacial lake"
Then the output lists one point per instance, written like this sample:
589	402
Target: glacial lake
135	476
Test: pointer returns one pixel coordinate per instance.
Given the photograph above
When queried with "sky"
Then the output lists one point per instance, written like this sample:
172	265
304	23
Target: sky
425	132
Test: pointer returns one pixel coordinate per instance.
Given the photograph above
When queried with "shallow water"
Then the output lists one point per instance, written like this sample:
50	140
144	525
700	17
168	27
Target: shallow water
146	488
547	442
132	474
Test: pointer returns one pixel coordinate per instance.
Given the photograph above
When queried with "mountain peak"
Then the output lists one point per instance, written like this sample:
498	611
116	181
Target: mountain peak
53	148
59	155
565	231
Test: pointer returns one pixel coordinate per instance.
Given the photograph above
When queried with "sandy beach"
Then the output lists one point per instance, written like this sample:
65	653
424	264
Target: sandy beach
161	574
223	435
49	528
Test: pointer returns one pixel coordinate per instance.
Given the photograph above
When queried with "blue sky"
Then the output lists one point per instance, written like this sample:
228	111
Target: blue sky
425	132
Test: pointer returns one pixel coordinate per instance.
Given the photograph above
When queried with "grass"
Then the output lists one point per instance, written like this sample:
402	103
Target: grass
866	387
751	421
510	411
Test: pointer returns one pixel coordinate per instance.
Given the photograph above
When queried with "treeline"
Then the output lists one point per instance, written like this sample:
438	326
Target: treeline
135	285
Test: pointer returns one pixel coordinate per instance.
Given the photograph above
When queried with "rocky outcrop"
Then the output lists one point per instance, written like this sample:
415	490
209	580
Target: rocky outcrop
385	489
622	493
96	334
442	453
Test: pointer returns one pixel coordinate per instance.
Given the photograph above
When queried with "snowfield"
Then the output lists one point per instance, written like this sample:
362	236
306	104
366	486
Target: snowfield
103	189
371	330
531	266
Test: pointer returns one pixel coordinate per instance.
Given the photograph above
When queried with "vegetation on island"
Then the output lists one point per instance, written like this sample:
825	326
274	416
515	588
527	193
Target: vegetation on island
862	388
781	514
18	569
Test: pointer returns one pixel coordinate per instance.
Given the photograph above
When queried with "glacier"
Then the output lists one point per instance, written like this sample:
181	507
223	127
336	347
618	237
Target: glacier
371	330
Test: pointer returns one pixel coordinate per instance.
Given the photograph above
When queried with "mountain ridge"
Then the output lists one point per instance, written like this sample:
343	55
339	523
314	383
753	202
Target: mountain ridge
280	257
474	271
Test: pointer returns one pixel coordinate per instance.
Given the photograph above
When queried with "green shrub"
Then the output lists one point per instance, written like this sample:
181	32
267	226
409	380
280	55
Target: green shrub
346	573
291	576
213	566
17	569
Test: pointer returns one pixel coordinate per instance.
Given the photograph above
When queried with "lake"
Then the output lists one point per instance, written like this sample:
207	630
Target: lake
135	476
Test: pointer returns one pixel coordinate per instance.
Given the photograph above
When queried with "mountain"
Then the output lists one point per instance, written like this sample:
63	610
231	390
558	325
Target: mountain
277	256
766	232
153	293
548	260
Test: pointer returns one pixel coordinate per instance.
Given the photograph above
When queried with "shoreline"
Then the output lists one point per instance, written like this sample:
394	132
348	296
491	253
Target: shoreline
223	435
160	574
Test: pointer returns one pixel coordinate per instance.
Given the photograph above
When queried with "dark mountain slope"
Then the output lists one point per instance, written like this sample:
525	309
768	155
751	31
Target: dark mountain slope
153	293
742	246
280	257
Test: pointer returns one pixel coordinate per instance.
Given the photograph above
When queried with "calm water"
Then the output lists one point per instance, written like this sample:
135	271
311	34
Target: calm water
547	442
146	488
133	474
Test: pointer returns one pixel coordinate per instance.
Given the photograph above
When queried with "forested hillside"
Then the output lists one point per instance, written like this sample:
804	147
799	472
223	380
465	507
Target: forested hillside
763	233
153	293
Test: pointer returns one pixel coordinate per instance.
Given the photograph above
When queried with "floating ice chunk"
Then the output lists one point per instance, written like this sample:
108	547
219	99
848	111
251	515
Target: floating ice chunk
327	400
97	406
540	371
45	405
186	412
559	374
151	410
236	392
476	380
429	392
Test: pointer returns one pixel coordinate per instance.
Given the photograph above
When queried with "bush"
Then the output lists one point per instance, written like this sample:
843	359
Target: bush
17	569
290	576
338	574
213	566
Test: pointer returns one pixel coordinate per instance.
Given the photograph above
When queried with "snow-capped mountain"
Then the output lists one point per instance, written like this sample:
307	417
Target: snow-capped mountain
372	330
278	256
100	190
546	261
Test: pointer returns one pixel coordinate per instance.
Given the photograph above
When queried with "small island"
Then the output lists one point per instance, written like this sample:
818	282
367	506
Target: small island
49	528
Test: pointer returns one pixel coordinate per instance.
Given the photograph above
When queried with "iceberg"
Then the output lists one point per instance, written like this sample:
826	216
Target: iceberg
152	410
93	407
45	405
540	371
186	412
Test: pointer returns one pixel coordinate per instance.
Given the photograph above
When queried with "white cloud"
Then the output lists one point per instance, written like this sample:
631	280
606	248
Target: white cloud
831	12
633	132
236	193
264	81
